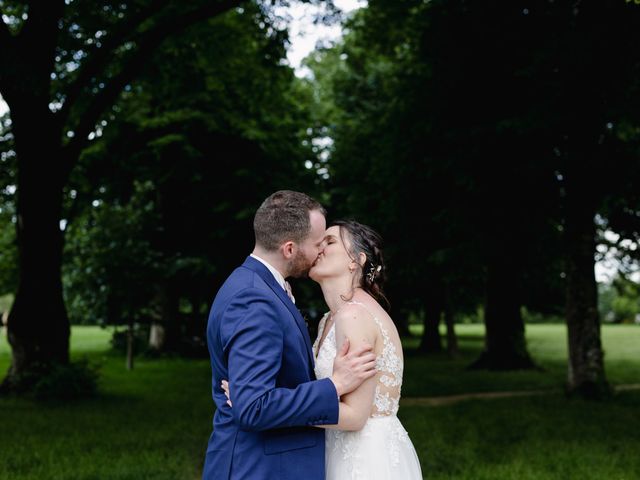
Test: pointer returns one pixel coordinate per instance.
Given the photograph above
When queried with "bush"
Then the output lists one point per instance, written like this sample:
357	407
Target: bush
58	381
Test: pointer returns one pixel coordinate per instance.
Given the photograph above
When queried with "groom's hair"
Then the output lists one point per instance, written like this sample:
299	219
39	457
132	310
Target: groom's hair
283	217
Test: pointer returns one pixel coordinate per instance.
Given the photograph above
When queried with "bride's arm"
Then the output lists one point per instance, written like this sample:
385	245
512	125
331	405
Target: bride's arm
355	407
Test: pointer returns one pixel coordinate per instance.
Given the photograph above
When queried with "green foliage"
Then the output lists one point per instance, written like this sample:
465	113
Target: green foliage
213	124
8	247
463	120
8	255
381	163
110	261
620	301
192	100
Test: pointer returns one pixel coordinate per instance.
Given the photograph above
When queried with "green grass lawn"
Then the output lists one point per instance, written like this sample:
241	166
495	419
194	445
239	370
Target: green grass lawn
154	422
149	423
438	374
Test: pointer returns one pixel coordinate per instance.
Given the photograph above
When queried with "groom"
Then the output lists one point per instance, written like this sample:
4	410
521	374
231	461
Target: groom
258	340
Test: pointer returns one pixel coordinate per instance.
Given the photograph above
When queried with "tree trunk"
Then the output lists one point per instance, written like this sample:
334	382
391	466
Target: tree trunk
38	326
130	347
586	376
156	336
431	341
402	324
165	333
505	345
452	339
171	318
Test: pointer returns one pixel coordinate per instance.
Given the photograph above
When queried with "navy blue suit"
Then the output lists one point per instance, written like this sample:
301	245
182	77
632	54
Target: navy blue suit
258	340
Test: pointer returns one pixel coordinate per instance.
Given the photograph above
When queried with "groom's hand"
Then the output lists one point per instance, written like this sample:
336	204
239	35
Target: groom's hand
350	369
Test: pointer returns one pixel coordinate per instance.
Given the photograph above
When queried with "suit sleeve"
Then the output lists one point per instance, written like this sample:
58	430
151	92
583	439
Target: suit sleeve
254	350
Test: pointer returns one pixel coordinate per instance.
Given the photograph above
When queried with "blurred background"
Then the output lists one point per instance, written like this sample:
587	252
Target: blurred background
495	147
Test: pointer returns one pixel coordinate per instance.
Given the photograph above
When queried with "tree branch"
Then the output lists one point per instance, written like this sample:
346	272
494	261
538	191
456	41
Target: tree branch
101	56
147	42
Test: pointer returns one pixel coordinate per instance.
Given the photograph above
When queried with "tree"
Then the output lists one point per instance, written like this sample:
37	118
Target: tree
594	92
400	159
63	65
524	112
110	276
211	153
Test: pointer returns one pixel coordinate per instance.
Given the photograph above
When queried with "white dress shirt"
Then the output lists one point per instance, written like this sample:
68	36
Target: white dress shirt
278	276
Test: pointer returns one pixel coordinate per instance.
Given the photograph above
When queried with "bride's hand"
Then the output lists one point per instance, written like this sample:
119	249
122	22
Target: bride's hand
225	387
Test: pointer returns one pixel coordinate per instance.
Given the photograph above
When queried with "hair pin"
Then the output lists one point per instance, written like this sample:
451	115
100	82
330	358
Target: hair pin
373	272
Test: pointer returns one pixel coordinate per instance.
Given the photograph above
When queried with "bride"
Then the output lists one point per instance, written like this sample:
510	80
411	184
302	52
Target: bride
369	442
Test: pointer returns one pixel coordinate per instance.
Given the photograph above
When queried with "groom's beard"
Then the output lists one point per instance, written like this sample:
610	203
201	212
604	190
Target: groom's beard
300	266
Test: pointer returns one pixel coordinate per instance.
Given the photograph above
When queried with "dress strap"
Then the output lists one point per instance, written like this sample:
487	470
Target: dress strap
321	325
323	322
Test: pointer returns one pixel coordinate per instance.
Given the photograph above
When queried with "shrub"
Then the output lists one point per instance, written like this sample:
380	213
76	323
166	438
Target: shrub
72	381
56	381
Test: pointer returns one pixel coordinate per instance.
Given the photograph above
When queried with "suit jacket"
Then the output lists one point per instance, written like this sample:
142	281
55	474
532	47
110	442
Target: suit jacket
258	340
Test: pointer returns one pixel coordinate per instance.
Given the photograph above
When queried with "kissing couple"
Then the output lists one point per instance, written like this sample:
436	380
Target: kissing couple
287	409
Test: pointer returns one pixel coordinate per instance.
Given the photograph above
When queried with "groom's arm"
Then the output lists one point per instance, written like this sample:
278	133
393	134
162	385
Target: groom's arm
255	350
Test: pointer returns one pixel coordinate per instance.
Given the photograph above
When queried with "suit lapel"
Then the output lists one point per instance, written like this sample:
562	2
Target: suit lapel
268	278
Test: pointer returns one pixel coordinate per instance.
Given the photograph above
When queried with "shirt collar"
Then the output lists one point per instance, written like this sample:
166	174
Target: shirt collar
276	274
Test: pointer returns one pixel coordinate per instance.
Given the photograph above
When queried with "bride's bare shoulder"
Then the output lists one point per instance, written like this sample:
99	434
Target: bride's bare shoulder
354	314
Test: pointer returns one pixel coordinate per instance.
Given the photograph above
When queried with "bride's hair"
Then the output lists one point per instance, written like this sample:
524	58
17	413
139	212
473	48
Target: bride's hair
360	238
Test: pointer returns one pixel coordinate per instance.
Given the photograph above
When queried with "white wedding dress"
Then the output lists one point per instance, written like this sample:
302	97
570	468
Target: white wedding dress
382	450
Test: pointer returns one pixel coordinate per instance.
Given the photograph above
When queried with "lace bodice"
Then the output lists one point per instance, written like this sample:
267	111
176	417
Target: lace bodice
382	448
389	364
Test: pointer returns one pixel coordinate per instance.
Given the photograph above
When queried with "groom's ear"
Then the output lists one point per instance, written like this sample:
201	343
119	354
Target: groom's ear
288	249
